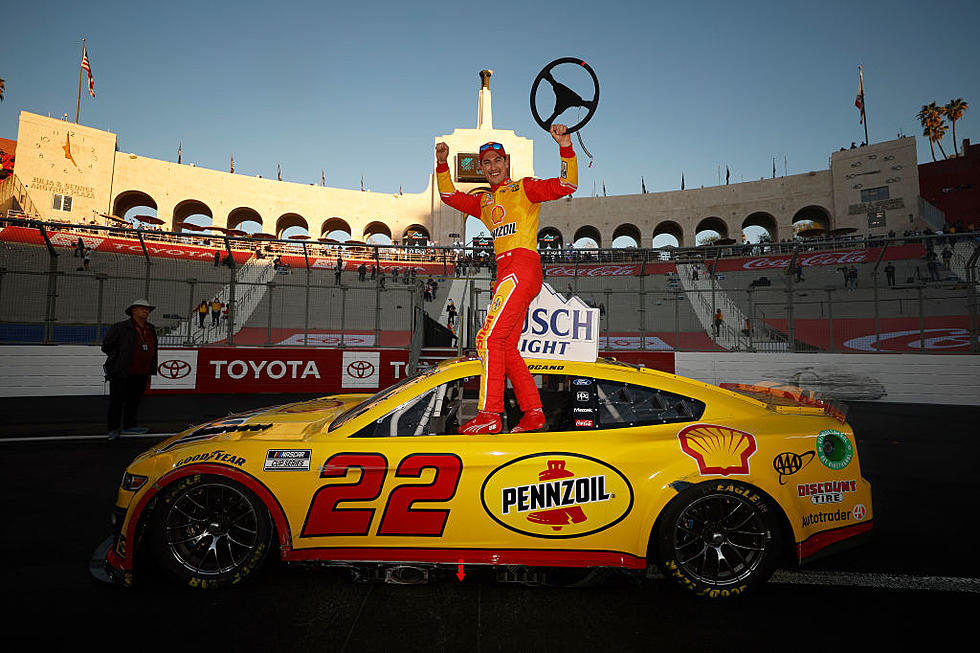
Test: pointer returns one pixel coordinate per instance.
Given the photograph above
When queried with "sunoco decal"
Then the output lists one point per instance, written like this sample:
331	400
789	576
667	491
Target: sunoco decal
834	449
557	495
718	449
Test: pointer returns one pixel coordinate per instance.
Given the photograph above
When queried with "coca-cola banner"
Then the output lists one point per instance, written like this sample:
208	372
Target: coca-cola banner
118	245
244	370
607	270
351	264
845	257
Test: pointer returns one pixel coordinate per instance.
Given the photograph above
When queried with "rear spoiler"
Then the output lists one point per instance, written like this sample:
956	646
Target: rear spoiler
789	399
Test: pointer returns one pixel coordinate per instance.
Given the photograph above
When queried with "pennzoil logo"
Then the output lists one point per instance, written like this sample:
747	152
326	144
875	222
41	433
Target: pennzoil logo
557	495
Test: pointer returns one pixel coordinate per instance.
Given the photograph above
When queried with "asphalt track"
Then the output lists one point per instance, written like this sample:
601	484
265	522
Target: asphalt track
915	585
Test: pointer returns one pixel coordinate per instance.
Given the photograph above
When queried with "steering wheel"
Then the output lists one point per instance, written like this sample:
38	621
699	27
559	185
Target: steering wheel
565	97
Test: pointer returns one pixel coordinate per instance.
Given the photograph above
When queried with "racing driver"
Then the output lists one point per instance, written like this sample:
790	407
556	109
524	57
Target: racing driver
510	213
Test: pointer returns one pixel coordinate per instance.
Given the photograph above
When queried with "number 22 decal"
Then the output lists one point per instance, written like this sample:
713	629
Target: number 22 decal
398	517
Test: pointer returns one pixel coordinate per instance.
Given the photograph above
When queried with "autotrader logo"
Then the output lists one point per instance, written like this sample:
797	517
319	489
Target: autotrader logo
360	369
174	369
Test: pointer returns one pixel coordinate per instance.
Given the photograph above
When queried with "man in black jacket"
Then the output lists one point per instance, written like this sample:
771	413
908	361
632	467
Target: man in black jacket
131	350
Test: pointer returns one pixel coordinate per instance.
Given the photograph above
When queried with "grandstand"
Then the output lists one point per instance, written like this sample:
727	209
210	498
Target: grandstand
648	299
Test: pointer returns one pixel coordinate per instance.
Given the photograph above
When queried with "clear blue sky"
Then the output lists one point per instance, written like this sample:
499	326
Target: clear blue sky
362	88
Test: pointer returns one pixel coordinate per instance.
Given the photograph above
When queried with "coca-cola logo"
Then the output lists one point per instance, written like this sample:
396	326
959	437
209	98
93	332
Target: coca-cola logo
594	270
821	258
912	340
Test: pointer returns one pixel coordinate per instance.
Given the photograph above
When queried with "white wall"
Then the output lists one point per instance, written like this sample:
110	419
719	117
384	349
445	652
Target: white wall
897	378
51	371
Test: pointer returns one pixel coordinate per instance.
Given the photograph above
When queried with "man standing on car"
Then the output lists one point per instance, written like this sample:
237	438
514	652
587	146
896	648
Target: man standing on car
131	350
510	213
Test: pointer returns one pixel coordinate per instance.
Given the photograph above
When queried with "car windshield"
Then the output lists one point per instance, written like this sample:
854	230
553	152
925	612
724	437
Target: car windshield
374	400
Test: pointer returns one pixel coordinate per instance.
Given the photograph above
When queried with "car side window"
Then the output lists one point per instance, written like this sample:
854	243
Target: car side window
435	412
621	405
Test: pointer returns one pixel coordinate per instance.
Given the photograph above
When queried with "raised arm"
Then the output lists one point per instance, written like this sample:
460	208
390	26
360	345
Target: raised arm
469	204
542	190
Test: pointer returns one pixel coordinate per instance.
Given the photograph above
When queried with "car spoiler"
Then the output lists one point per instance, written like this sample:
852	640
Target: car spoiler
789	399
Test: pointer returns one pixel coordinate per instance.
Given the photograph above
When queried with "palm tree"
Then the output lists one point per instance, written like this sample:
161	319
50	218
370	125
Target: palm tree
2	87
931	118
954	111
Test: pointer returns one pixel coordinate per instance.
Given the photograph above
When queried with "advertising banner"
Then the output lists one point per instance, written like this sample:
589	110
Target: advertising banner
845	257
223	370
559	329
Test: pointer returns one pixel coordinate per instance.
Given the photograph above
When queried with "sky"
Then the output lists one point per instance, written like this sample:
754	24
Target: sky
363	88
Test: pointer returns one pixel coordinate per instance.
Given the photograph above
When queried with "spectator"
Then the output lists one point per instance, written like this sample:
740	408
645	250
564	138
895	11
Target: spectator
852	278
890	274
202	312
361	272
947	255
216	305
374	271
799	272
717	321
217	259
451	310
338	268
130	347
79	248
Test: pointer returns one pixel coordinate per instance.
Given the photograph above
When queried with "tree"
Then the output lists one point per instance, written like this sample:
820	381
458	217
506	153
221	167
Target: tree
933	126
954	111
2	87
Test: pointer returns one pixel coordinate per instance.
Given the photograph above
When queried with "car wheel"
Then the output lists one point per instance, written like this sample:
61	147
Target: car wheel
718	539
209	532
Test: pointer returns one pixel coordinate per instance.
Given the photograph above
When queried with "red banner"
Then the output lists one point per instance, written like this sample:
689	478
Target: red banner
222	370
116	245
613	270
351	265
846	257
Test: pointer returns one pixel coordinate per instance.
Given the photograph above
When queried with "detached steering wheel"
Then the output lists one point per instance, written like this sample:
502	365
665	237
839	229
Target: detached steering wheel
565	97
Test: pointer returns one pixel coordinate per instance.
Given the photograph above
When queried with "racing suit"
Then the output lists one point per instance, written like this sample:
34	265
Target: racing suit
510	213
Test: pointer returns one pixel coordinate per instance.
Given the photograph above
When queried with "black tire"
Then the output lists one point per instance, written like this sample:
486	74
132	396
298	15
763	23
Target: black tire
719	539
209	532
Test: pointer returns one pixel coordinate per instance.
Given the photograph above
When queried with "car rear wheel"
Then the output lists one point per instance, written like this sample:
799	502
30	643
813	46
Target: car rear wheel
209	532
719	538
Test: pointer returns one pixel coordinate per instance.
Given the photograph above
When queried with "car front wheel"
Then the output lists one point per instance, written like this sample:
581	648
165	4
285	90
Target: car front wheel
718	539
209	532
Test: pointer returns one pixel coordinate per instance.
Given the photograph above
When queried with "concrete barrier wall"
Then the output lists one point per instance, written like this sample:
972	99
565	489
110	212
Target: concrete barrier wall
897	378
66	370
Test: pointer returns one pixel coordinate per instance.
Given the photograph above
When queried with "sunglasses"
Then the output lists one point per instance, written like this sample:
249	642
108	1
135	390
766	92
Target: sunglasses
491	146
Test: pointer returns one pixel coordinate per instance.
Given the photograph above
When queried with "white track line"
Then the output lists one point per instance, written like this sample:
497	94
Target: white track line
878	581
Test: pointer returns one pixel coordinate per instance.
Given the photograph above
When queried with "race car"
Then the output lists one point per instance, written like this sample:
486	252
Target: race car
636	469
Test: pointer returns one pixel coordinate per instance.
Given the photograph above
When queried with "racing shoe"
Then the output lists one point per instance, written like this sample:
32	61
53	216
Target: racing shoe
533	420
484	422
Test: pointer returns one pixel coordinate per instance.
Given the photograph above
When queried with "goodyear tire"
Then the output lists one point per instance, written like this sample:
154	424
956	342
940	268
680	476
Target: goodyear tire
719	538
209	532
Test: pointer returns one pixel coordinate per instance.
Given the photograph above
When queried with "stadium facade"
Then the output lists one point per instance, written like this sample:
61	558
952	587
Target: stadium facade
73	173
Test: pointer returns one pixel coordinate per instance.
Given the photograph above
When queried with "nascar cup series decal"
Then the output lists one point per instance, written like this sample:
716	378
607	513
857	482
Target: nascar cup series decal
557	495
718	449
834	449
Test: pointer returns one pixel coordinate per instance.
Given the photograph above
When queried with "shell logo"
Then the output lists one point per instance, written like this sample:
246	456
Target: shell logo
718	449
557	495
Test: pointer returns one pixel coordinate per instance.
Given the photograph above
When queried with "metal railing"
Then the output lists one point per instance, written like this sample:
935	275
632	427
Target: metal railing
49	294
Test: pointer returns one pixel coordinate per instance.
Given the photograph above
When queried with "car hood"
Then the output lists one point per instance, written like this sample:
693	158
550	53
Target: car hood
289	422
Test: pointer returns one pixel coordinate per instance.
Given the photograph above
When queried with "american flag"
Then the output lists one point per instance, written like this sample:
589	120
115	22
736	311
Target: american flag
87	67
859	100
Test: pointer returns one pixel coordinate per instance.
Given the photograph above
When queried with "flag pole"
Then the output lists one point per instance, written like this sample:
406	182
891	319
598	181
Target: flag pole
864	109
78	102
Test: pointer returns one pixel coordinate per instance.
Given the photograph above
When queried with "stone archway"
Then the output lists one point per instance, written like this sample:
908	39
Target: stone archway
709	230
626	235
135	201
192	208
587	232
758	222
668	234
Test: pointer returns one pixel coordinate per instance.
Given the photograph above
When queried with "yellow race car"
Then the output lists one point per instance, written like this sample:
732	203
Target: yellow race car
635	468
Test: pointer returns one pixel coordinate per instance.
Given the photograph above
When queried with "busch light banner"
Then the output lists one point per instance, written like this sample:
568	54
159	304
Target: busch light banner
559	328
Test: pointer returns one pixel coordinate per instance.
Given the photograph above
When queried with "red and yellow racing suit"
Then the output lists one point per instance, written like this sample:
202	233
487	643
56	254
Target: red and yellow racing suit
510	212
